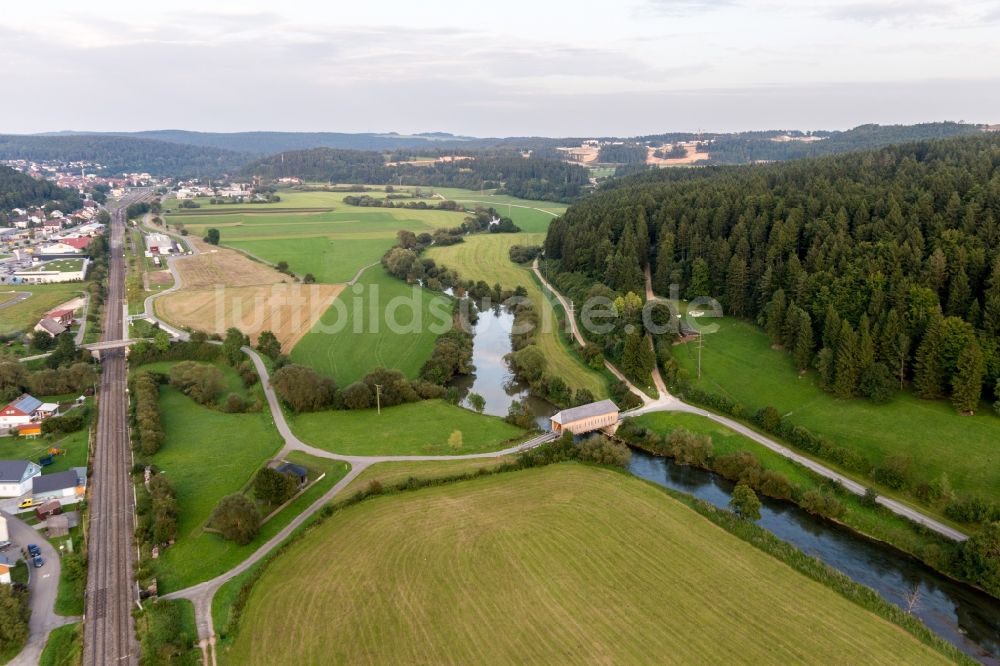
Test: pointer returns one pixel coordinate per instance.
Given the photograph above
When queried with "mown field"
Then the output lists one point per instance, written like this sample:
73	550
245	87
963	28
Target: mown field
485	257
380	321
738	361
429	427
565	564
44	297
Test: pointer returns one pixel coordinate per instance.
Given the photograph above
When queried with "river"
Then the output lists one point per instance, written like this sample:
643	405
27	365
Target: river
961	615
958	613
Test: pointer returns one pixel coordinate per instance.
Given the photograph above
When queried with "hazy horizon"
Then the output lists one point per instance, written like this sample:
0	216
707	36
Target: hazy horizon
526	68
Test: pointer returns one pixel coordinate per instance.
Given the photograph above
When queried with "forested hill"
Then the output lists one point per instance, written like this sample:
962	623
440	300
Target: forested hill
749	147
545	179
18	190
120	154
870	266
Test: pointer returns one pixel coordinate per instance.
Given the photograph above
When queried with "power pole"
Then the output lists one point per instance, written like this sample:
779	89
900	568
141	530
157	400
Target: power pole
378	397
701	339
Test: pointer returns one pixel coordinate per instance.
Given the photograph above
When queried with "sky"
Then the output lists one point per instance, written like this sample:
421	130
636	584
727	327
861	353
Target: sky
512	68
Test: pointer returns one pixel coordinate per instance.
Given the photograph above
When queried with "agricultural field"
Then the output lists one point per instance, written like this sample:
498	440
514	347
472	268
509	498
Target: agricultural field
390	473
355	336
429	427
327	259
532	567
23	315
738	361
485	257
223	288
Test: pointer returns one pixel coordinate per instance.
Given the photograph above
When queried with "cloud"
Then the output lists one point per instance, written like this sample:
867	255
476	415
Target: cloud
686	7
894	12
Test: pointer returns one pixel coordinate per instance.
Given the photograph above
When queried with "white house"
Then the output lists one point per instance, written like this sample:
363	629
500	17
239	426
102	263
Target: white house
16	480
4	534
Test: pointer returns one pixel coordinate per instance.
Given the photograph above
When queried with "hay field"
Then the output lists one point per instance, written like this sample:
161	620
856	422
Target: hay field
564	564
223	288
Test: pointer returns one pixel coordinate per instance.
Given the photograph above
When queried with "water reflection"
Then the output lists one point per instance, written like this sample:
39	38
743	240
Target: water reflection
492	377
966	617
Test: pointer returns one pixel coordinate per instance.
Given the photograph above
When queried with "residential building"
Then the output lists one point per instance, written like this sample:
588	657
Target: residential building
16	479
5	566
63	316
63	486
50	326
586	418
19	412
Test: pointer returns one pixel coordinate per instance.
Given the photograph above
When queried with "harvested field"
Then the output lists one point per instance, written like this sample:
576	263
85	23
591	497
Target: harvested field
220	266
289	310
160	277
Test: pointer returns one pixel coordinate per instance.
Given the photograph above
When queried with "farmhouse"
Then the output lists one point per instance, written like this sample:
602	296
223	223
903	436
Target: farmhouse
59	486
50	326
19	412
585	418
16	476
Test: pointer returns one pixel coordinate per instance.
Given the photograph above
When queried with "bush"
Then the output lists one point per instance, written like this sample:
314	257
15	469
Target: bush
817	502
358	396
971	510
745	502
303	389
272	487
893	472
236	518
199	381
68	422
688	448
603	451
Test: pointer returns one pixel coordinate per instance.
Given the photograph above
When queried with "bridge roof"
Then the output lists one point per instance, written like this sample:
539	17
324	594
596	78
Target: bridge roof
584	412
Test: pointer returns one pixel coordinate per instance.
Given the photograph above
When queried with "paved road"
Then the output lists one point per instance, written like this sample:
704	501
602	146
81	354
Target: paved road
646	400
18	297
201	595
669	403
44	585
109	634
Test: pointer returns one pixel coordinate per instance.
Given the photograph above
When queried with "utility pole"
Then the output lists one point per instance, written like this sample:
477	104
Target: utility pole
701	339
378	397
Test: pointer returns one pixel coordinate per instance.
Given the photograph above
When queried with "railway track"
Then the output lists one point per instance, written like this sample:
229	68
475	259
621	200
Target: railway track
109	635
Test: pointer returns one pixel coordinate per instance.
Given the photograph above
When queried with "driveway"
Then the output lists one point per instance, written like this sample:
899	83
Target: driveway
44	585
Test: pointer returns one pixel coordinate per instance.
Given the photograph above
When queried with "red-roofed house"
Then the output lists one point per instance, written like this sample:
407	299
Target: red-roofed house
77	243
63	316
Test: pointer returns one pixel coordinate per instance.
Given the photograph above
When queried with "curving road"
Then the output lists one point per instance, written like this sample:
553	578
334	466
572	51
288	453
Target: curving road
201	595
44	586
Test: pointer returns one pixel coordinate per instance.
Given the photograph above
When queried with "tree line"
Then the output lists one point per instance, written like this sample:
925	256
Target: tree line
508	173
876	268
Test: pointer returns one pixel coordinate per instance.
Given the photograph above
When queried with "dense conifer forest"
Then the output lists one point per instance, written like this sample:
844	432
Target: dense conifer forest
18	190
876	268
544	179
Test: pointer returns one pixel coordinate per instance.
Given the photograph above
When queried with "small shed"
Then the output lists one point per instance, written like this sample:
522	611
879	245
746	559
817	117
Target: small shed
60	525
50	508
586	418
298	471
29	430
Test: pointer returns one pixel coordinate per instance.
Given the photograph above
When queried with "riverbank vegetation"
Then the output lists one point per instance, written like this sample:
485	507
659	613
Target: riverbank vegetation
888	280
583	502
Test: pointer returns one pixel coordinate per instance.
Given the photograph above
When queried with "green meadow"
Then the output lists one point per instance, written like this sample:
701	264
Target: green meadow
738	361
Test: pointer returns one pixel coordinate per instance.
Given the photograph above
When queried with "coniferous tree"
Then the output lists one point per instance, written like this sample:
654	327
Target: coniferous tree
701	281
967	382
775	318
866	346
894	346
804	342
929	377
846	374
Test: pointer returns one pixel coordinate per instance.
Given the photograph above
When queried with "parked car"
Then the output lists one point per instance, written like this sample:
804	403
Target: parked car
26	503
37	561
34	550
